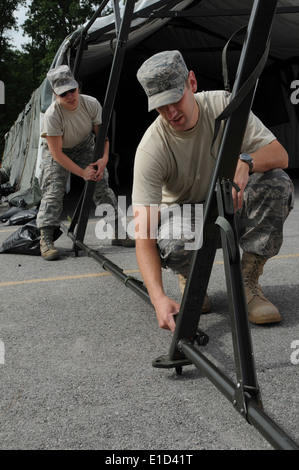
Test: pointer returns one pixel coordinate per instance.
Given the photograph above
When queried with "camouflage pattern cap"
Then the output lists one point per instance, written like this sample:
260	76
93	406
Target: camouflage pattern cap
163	77
61	79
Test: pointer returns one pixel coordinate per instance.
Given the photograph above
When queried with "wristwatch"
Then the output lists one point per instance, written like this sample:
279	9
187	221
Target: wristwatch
248	159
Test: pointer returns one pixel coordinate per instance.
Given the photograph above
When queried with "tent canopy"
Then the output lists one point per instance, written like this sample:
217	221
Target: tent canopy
199	29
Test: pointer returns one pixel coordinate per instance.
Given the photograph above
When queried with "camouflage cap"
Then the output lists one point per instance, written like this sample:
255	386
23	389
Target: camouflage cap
61	79
163	77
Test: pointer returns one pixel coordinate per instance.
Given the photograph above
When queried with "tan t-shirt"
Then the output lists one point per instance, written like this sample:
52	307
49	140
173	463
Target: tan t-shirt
176	167
74	126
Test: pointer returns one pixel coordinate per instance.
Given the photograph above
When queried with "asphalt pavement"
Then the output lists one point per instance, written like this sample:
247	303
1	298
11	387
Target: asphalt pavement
77	346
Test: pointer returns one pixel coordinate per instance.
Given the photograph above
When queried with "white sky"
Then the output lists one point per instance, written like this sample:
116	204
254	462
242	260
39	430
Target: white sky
17	37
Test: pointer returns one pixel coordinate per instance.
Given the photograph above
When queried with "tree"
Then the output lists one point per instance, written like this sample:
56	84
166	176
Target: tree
9	66
7	22
48	24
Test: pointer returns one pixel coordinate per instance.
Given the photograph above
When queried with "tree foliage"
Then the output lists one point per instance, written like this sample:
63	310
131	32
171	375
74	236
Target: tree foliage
48	23
7	22
8	66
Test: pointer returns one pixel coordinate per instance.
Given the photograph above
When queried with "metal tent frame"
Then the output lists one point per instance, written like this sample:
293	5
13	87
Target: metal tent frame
219	223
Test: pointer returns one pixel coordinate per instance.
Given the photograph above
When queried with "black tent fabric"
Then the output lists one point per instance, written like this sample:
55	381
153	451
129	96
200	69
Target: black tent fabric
199	29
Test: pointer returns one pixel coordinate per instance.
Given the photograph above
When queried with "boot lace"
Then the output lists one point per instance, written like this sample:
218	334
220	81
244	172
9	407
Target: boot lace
251	277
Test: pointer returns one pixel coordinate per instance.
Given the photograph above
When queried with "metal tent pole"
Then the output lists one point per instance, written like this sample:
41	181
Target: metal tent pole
83	35
251	411
81	215
255	44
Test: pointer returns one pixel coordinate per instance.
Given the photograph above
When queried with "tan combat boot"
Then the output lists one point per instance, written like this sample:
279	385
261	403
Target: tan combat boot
206	303
47	248
260	309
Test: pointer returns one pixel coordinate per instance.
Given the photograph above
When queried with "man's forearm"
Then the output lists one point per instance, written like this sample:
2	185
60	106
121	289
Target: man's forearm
150	267
269	157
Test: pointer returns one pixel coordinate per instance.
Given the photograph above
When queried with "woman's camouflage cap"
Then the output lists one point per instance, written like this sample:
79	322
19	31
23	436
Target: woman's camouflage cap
61	79
163	78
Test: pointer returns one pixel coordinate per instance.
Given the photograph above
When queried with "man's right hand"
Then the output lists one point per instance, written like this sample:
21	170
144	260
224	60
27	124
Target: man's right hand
166	308
149	262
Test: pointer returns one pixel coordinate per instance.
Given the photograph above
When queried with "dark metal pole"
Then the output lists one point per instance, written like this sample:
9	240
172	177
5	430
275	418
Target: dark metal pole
255	44
129	281
254	414
107	111
84	33
242	344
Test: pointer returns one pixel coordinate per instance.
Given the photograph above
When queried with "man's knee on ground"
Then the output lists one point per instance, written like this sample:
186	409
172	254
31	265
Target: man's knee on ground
175	256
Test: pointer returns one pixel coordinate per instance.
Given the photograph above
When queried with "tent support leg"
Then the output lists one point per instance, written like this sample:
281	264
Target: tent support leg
128	280
254	413
80	50
81	215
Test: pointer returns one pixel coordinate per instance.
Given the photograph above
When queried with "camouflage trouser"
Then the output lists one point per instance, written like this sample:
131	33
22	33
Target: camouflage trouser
268	199
54	179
